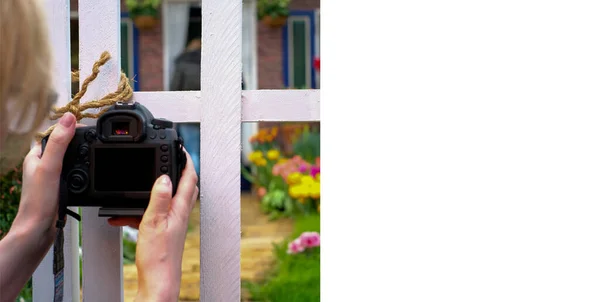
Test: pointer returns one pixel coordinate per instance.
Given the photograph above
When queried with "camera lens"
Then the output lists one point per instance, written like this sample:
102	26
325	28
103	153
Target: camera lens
77	181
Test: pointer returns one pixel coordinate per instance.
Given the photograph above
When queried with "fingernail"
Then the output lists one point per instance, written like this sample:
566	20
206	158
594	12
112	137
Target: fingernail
165	180
67	119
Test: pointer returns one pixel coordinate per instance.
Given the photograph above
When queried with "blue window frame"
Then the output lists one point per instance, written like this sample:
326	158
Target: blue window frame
299	50
129	50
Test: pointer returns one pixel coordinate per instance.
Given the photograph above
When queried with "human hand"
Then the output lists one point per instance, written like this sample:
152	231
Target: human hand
38	208
161	236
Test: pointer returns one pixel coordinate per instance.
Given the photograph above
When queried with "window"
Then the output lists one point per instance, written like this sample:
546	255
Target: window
195	24
300	47
129	50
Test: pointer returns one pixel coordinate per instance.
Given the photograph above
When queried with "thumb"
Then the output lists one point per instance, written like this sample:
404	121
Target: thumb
160	199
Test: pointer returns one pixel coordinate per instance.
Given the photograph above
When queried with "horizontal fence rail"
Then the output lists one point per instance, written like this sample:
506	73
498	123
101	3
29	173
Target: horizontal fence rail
257	105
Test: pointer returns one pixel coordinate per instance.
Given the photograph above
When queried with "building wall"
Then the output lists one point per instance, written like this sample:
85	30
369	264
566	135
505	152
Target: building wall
270	51
150	54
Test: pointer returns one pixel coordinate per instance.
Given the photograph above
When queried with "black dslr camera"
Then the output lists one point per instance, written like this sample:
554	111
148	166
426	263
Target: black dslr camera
114	164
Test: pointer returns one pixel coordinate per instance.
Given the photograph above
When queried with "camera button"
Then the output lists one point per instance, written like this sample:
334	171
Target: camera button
164	169
90	135
162	134
152	134
164	158
83	150
165	148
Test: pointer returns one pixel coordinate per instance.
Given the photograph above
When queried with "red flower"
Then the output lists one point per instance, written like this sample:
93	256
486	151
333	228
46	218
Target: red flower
317	63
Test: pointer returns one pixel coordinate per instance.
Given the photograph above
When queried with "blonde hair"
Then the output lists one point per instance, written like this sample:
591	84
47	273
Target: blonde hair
25	67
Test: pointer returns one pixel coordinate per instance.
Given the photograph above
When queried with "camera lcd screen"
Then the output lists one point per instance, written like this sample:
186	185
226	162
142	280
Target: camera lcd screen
124	169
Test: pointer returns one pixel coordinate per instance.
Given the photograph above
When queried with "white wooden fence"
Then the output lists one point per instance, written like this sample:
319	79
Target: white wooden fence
220	107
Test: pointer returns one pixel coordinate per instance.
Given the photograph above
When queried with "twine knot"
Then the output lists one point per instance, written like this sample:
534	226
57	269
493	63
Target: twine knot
75	110
124	93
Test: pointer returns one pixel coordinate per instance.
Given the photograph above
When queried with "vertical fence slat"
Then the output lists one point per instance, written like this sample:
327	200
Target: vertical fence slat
220	150
58	24
99	30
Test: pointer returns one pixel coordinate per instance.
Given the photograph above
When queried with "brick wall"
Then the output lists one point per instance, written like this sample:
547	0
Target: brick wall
270	49
150	68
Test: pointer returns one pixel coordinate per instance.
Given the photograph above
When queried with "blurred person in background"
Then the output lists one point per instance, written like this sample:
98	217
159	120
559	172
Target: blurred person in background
186	77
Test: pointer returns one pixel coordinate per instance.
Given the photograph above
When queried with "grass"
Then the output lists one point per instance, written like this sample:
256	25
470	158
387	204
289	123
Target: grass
294	278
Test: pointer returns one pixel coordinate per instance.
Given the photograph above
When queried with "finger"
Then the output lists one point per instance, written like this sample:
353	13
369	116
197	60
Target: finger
182	204
32	159
34	154
160	199
124	221
57	143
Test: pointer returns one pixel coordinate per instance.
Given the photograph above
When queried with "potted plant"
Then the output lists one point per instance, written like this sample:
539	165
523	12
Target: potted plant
144	13
273	13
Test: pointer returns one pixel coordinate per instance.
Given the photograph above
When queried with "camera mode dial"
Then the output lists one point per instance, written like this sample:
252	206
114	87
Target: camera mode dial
160	123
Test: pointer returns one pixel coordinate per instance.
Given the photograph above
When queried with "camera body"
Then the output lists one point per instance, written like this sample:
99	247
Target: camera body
114	164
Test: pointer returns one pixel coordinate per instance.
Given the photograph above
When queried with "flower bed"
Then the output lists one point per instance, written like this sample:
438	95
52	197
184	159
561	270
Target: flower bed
296	274
288	183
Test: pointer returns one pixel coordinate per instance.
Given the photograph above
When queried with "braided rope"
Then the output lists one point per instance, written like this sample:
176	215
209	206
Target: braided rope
124	93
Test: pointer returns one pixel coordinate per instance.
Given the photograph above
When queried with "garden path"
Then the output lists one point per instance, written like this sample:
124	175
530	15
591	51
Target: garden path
258	234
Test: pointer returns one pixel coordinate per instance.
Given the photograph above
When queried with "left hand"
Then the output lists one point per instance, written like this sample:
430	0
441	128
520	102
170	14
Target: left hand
38	208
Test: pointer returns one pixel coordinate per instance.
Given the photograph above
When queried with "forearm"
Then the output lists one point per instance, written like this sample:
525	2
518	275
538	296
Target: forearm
21	251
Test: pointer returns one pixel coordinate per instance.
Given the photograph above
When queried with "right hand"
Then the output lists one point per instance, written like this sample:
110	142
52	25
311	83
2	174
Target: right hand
161	236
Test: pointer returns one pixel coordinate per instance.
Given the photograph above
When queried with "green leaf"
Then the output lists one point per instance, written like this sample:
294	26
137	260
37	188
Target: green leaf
246	174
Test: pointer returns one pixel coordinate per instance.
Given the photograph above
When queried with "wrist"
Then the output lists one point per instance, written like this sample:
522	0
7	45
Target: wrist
33	233
153	288
157	295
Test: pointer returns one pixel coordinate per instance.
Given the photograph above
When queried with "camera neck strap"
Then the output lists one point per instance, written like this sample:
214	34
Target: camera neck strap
58	262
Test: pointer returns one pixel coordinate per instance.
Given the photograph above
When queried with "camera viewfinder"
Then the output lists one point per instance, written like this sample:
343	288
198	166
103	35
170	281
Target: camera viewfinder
120	128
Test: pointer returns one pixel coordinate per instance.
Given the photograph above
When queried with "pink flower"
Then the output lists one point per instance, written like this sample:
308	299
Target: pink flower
297	159
314	171
303	168
295	247
262	191
318	161
277	169
310	239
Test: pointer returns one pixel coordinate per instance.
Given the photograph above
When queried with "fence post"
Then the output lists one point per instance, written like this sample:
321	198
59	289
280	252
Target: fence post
99	30
58	24
220	150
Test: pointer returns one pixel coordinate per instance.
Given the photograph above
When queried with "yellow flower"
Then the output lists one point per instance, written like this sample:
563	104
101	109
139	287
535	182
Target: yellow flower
282	160
294	178
274	131
299	192
303	191
255	155
273	154
315	191
318	177
294	191
261	162
307	179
